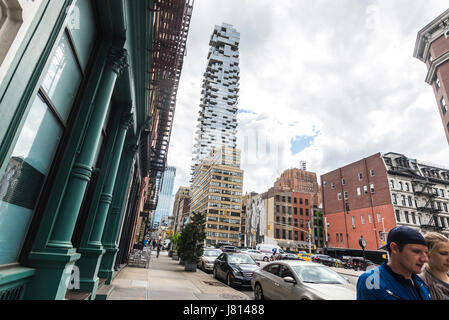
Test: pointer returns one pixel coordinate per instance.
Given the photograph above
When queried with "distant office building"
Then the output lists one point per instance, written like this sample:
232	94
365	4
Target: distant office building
181	208
165	196
371	196
217	191
432	48
299	180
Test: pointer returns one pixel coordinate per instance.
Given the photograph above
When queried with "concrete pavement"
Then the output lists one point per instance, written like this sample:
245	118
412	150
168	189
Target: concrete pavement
165	279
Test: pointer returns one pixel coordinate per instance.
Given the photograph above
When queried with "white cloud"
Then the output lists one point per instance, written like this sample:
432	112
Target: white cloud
341	68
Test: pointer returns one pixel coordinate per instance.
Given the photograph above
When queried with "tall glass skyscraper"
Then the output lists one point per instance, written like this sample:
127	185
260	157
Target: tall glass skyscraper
217	120
165	196
217	179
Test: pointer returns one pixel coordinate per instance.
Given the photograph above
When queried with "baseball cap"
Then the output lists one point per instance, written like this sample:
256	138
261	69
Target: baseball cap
404	235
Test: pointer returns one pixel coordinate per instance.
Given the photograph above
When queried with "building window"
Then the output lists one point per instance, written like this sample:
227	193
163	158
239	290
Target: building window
341	238
32	157
289	235
410	203
359	192
353	221
403	200
372	172
378	217
295	210
295	200
283	209
443	224
339	196
365	189
307	212
363	219
301	211
306	202
395	201
290	210
442	193
278	198
437	83
398	216
445	206
296	235
296	222
278	208
406	217
400	185
392	184
283	220
336	237
443	105
346	194
413	218
302	236
301	223
300	200
407	188
360	176
289	199
277	234
370	220
343	182
371	186
283	234
283	198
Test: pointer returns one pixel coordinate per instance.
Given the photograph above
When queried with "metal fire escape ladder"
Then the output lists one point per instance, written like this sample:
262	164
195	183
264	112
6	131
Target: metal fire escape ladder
428	212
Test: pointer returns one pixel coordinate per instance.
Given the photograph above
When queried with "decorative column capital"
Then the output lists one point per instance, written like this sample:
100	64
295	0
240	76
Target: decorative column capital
117	59
127	120
132	148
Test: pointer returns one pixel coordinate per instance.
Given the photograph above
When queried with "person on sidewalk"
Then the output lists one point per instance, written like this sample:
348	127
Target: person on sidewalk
158	248
398	279
435	273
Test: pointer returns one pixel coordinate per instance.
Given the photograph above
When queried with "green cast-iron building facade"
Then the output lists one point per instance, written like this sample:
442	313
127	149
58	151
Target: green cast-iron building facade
87	97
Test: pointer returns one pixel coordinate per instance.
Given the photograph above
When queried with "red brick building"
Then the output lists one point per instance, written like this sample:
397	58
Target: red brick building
356	198
302	215
432	48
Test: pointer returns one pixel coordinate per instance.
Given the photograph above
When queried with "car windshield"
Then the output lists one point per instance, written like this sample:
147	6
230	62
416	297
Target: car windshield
318	274
240	259
212	253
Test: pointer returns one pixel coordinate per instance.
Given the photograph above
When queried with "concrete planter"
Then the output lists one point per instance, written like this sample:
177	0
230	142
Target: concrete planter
190	266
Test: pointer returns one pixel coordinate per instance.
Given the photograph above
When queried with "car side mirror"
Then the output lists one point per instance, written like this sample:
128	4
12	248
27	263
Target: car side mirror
289	280
258	263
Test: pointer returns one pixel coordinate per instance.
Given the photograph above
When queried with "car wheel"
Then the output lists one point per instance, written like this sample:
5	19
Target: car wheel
265	259
258	292
228	280
203	267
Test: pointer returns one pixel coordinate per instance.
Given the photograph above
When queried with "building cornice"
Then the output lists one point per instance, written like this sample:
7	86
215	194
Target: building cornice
430	33
434	66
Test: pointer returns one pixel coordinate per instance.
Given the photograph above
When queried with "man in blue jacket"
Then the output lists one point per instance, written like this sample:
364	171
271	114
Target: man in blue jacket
397	279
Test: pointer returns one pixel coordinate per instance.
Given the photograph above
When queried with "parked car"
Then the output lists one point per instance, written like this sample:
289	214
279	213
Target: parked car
235	268
305	256
256	254
358	263
229	249
291	256
300	280
324	259
207	259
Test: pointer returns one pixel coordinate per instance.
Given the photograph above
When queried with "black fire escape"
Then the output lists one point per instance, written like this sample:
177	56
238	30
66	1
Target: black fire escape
429	212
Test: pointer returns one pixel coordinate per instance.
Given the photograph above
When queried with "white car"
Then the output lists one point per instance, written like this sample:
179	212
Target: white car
257	254
207	259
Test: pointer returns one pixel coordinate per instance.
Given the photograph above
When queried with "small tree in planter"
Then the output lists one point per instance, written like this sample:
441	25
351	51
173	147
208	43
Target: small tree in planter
191	243
174	240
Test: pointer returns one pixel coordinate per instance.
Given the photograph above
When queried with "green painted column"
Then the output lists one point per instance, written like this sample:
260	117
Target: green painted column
82	170
117	210
55	264
91	247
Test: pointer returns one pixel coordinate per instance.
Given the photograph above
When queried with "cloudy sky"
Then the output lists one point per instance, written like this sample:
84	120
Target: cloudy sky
324	81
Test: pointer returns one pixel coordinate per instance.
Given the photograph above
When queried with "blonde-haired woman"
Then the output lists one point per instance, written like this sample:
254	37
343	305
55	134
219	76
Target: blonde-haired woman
436	272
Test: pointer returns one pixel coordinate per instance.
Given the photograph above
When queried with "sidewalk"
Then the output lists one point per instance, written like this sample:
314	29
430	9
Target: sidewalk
165	279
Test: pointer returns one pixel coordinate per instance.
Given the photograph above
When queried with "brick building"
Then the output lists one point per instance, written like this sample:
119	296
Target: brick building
362	199
299	180
432	48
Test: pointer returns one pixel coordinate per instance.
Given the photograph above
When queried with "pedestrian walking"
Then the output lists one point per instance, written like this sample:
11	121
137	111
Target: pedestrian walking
398	279
435	273
158	248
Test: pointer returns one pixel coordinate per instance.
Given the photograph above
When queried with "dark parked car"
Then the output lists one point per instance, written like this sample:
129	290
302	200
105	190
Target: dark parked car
323	259
235	268
358	263
290	256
